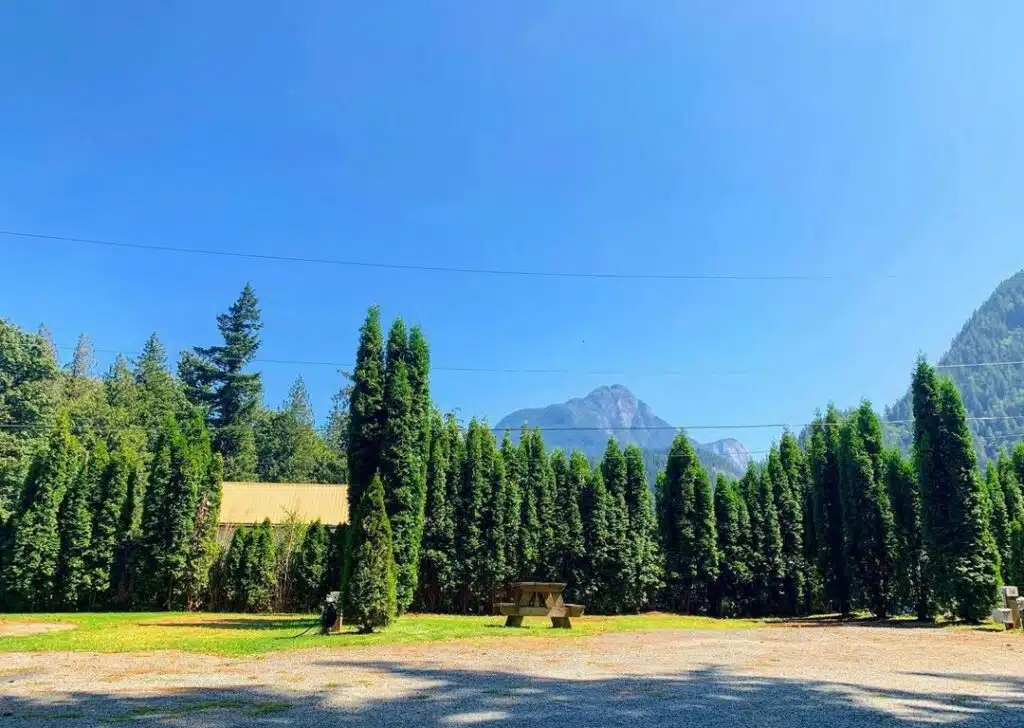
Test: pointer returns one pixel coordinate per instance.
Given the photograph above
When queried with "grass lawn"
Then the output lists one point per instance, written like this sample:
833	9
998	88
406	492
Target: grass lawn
243	634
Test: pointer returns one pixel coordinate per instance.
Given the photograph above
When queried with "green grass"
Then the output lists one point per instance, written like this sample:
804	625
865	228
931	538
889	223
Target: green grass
240	635
251	708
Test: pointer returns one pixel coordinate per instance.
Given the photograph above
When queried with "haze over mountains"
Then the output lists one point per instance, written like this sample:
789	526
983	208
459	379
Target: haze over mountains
586	423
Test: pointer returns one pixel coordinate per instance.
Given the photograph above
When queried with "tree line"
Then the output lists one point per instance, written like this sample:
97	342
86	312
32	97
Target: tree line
110	493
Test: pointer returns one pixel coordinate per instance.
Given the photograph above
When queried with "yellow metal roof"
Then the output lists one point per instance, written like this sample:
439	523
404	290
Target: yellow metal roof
252	502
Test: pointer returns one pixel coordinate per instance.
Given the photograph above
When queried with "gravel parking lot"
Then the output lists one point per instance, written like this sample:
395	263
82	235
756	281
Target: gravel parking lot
790	676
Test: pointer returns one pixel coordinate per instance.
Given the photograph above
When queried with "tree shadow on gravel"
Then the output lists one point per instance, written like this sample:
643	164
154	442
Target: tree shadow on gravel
835	621
422	697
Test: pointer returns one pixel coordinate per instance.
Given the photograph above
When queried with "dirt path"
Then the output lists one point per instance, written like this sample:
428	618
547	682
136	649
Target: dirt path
18	628
837	676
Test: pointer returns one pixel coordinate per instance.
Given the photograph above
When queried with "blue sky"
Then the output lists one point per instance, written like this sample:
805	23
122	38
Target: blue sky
876	142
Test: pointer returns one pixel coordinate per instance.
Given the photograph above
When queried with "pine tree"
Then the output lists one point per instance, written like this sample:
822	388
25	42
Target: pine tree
527	554
371	601
160	394
686	522
754	600
495	574
734	572
400	466
828	510
30	571
418	365
122	474
75	518
964	558
215	379
366	409
644	557
911	582
513	462
311	568
437	568
469	536
620	568
122	395
789	503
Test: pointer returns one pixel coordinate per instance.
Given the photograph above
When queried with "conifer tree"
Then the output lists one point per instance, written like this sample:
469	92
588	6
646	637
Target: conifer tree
998	519
537	528
30	571
964	559
911	582
215	379
75	519
868	518
789	503
160	394
571	540
234	567
202	546
686	522
594	505
469	536
122	395
1010	482
511	456
418	365
644	557
366	409
620	569
259	572
753	599
495	574
371	600
122	475
771	579
734	570
311	567
828	509
437	566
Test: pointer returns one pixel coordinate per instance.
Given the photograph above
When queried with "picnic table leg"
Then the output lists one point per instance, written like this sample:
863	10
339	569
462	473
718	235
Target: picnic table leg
561	623
513	620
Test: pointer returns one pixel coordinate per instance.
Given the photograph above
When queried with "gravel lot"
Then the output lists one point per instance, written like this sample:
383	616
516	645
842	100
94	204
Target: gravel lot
780	676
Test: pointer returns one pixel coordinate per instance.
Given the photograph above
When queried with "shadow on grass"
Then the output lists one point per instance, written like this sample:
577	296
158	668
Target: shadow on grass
403	696
256	623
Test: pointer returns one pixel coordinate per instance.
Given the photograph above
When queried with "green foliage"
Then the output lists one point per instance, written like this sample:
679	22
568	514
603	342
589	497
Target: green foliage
30	569
474	487
401	468
789	502
74	583
827	501
366	409
594	506
512	461
539	484
570	539
686	523
732	525
28	399
770	576
371	600
619	569
911	585
998	518
311	566
530	468
259	569
215	379
289	449
964	561
437	563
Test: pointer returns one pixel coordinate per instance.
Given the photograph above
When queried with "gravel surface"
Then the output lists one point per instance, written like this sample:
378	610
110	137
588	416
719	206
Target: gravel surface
857	676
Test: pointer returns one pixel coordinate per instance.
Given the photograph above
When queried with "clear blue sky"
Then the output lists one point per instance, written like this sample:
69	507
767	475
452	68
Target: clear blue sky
878	142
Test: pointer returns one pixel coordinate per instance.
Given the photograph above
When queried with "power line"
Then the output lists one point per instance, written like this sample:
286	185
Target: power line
554	370
416	266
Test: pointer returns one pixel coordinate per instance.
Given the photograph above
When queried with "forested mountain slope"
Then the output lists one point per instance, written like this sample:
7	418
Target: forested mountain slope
993	333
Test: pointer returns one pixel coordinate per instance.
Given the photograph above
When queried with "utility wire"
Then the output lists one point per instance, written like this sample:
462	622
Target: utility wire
544	370
415	266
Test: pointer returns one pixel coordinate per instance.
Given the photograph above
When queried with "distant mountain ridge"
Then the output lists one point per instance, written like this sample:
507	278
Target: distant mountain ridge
993	333
586	423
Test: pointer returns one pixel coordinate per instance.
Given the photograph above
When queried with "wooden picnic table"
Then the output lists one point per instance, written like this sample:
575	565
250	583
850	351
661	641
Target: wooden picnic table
539	599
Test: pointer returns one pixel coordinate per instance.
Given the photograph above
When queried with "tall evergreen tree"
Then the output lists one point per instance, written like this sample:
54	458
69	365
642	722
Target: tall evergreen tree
202	545
868	519
437	564
594	506
511	456
260	574
418	365
75	518
371	600
789	500
964	561
911	582
1010	482
401	470
771	578
828	509
366	409
686	522
122	474
159	392
753	598
645	557
469	524
570	537
537	529
620	567
30	571
215	379
998	518
311	567
495	574
734	569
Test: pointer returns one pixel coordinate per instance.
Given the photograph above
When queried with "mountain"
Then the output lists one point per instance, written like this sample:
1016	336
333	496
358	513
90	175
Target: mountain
993	333
586	423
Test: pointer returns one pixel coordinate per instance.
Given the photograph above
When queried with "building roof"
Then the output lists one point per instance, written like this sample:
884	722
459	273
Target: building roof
247	503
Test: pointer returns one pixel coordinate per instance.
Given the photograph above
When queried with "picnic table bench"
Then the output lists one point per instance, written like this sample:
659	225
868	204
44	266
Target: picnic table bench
539	599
